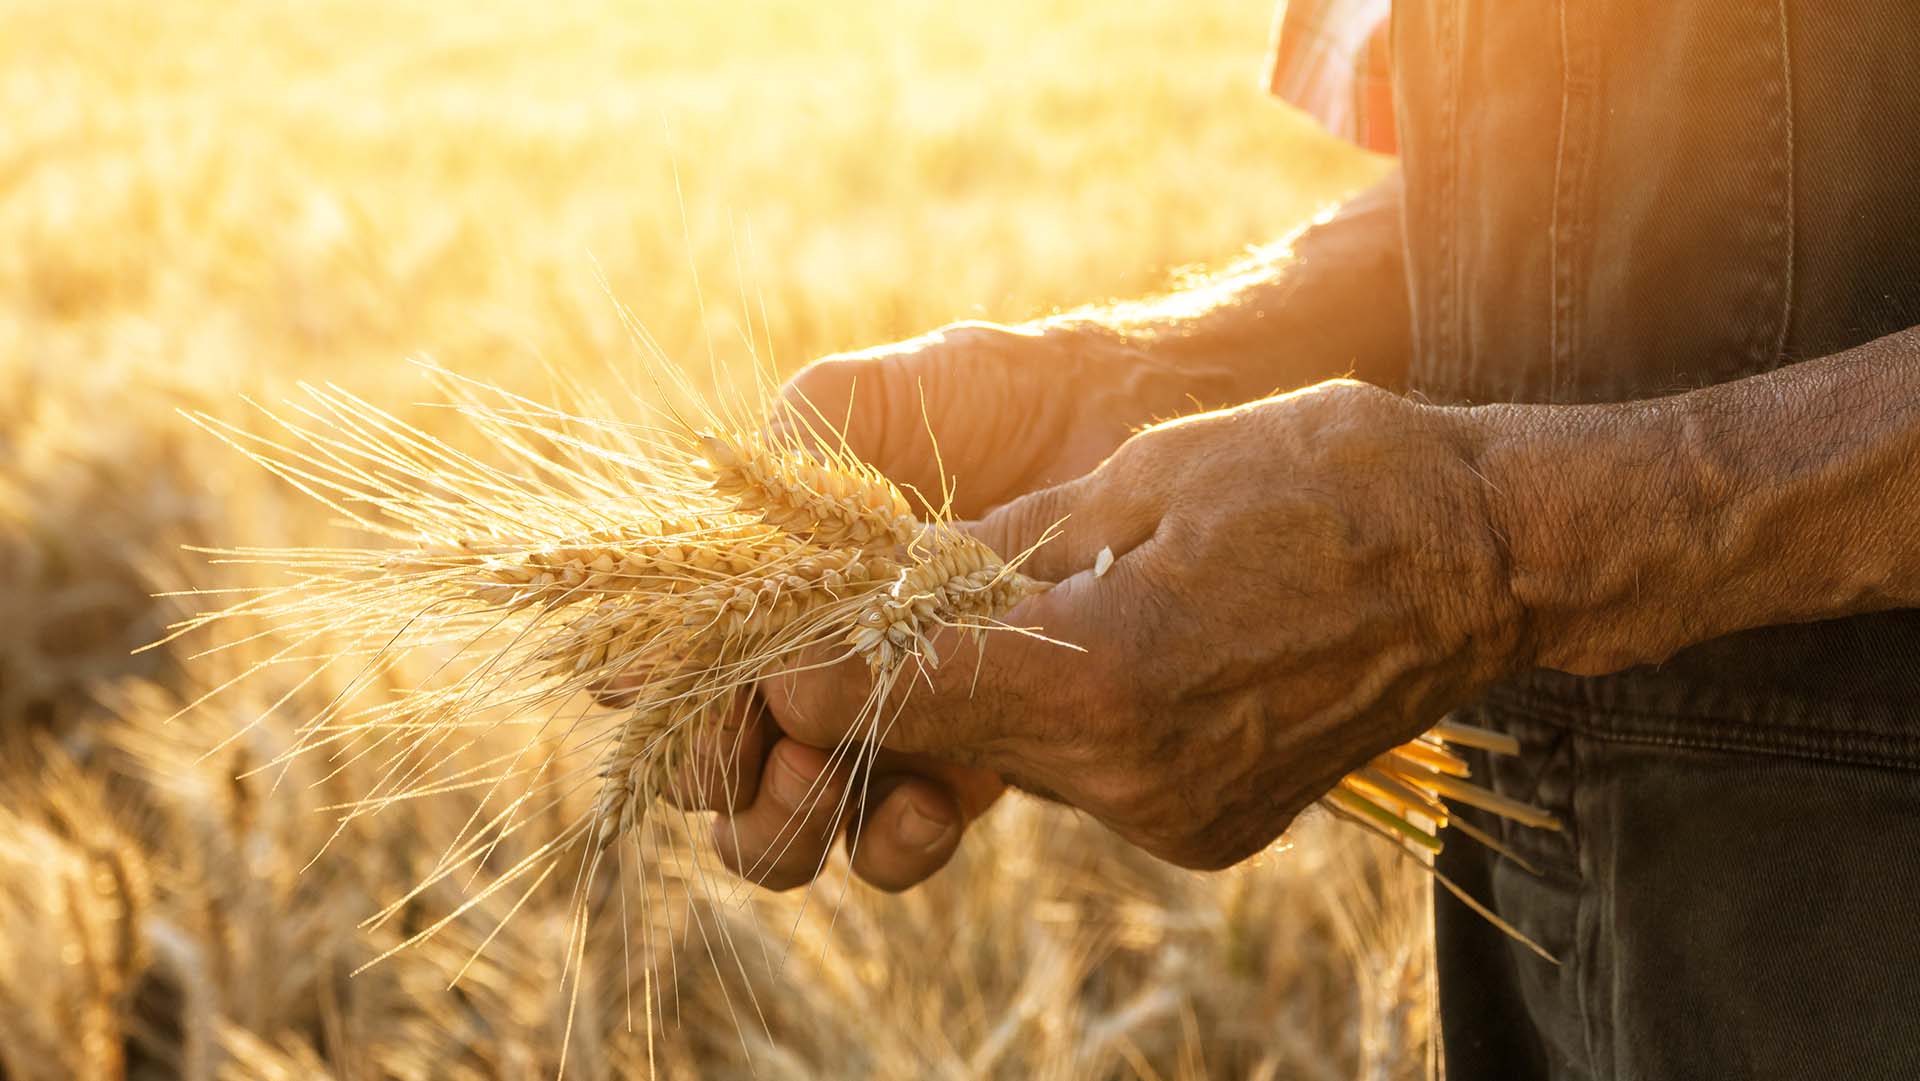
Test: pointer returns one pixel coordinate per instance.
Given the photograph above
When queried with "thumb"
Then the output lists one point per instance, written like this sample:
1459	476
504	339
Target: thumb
833	400
868	403
1065	527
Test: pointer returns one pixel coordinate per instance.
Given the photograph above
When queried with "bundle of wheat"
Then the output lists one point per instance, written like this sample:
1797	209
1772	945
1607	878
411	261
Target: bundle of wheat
615	591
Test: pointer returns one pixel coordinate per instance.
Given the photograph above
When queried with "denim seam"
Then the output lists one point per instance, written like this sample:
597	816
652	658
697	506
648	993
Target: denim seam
1708	743
1567	215
1587	920
1773	214
1558	287
1816	747
1449	332
1786	88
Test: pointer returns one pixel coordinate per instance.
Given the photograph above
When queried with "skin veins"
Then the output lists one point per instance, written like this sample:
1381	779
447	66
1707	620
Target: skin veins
1305	580
1641	528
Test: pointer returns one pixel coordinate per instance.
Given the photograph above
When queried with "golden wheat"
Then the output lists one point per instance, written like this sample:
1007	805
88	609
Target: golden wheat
631	773
832	500
618	592
952	579
455	210
612	593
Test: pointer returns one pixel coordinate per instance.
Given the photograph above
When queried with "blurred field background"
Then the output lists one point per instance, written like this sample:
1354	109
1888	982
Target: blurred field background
206	198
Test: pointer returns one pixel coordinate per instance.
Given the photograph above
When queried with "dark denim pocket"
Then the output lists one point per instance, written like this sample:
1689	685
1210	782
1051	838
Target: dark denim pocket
1504	1012
1747	915
1734	895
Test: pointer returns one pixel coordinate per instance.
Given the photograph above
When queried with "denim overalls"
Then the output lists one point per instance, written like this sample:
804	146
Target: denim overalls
1613	199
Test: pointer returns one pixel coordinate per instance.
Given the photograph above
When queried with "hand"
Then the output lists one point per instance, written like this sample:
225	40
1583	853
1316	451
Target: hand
1010	410
1300	584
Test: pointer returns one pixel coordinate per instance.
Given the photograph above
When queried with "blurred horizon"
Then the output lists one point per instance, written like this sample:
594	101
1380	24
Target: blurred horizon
348	180
205	199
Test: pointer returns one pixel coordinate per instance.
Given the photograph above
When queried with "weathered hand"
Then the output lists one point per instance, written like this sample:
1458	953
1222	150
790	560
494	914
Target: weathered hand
1300	584
784	803
1010	410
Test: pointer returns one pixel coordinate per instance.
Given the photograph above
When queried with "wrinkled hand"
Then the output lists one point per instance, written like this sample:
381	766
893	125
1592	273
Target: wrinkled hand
1009	410
1300	584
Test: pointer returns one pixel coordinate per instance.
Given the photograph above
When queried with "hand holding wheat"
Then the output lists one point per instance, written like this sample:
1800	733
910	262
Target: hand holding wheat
688	569
1288	606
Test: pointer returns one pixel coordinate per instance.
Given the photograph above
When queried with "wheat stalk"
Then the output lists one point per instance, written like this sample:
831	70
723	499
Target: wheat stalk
677	561
832	502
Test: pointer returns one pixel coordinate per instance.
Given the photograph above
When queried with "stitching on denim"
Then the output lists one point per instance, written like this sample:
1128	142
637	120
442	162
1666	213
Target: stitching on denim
1570	214
1762	350
1786	84
1757	750
1826	745
1558	283
1540	702
1586	920
1448	328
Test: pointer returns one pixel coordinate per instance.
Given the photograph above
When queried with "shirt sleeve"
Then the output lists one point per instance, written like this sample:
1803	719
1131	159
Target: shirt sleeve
1333	59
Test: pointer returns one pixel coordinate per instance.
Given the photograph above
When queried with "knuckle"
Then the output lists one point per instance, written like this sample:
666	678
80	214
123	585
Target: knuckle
972	336
725	792
1204	854
810	806
780	866
1019	524
683	791
1213	847
804	704
1128	458
821	817
1230	834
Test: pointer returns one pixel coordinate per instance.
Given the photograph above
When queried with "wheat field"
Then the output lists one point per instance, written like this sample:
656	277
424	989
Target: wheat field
205	199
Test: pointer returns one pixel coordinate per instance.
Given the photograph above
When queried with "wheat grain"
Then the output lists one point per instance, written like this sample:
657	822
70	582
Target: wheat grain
667	585
631	774
953	579
832	503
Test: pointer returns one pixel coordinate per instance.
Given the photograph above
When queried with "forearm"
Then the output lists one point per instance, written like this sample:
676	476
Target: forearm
1637	529
990	412
1330	302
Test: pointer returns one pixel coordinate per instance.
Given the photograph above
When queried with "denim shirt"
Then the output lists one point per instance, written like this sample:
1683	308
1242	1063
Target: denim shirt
1615	199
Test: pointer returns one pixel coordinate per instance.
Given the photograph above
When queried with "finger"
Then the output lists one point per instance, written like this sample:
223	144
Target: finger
910	831
822	699
1057	532
848	401
725	761
977	691
781	839
897	839
980	682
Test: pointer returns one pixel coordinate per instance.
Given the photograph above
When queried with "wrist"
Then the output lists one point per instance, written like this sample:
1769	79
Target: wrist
1542	517
1614	531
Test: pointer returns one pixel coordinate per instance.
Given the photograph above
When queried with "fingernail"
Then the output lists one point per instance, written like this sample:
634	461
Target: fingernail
922	830
790	786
